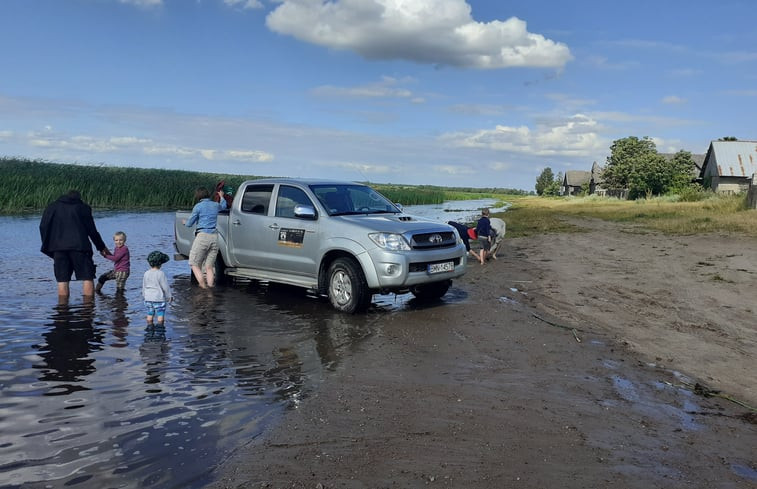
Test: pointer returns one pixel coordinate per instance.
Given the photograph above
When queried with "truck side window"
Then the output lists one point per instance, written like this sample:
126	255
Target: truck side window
256	199
288	198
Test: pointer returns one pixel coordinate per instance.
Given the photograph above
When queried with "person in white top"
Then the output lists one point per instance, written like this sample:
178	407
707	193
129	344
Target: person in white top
155	289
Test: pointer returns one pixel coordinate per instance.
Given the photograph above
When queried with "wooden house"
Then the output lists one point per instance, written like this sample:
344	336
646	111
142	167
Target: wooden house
573	182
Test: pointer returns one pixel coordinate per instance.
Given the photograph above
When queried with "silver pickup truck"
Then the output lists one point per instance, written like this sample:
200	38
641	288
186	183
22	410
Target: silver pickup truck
343	240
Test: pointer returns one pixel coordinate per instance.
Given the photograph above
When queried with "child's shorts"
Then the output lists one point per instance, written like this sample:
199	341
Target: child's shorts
155	308
485	243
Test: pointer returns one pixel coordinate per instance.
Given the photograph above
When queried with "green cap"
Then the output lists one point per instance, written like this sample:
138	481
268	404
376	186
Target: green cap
157	258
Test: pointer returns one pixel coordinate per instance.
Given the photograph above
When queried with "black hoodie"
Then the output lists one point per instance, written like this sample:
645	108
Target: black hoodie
67	225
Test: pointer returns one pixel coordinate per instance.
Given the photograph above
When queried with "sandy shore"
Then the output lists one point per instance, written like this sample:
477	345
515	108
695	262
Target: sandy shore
571	362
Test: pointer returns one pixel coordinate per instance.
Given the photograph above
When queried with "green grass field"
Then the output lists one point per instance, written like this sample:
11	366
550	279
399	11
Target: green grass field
715	214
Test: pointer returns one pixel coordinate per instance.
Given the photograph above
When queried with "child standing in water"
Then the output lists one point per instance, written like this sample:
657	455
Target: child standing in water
155	290
121	264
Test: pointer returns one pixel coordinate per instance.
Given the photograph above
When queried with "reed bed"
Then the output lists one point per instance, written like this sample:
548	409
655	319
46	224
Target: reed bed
30	185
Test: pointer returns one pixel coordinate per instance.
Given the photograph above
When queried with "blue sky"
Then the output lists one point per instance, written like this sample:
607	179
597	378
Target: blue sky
442	92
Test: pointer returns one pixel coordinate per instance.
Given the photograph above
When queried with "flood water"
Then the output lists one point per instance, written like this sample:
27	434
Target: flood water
92	398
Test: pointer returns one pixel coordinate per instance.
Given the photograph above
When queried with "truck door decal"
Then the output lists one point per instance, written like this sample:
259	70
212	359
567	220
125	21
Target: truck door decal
291	237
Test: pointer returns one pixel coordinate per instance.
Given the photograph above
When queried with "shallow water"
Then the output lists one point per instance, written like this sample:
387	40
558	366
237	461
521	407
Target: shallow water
92	398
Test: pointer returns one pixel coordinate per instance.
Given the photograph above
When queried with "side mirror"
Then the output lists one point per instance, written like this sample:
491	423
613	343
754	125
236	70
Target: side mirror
305	212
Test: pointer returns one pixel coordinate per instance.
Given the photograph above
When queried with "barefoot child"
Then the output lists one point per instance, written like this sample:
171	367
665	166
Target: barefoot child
121	264
155	290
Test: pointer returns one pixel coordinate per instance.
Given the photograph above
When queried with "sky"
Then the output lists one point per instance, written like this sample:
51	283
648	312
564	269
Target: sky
454	93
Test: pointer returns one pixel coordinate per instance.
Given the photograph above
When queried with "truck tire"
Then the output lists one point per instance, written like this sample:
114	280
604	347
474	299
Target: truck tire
432	291
220	271
347	288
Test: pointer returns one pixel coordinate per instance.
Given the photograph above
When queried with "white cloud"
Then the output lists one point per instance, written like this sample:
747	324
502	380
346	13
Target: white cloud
423	31
500	166
386	88
244	4
572	137
673	99
94	145
363	168
454	170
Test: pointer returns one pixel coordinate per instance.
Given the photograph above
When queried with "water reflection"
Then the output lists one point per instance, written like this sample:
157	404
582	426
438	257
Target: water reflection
67	348
154	352
120	320
90	397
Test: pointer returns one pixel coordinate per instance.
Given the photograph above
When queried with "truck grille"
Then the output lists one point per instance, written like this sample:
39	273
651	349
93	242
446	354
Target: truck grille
430	241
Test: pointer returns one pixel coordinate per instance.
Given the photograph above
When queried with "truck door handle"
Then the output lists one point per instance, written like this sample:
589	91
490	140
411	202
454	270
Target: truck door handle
236	222
274	226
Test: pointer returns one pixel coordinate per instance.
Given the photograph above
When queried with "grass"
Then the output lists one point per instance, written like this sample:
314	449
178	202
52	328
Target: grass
716	214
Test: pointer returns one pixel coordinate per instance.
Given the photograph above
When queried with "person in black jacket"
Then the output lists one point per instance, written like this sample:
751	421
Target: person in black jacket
66	228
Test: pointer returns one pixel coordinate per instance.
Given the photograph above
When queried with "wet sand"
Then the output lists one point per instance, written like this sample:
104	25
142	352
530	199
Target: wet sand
572	361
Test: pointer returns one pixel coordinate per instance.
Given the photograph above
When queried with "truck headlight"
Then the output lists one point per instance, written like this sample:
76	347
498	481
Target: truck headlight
390	241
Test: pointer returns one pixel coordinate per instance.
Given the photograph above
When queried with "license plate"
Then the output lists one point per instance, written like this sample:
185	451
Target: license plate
447	266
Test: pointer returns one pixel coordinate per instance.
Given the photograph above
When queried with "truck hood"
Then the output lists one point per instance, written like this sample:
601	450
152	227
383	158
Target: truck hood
394	223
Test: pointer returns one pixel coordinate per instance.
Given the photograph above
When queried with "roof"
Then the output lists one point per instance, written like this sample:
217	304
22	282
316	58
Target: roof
731	158
576	178
698	160
596	173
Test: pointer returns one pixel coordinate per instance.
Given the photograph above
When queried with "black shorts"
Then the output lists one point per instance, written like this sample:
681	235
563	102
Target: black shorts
69	262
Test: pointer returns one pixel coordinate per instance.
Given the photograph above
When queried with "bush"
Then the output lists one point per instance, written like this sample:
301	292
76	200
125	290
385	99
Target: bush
692	193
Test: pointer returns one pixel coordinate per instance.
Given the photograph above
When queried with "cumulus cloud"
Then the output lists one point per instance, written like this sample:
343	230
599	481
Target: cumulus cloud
438	32
94	145
575	136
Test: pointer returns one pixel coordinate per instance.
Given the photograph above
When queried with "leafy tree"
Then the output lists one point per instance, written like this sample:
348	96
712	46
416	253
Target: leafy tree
626	157
553	189
728	138
634	164
544	180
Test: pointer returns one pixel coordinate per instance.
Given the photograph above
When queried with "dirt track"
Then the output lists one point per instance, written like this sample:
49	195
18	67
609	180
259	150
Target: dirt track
571	363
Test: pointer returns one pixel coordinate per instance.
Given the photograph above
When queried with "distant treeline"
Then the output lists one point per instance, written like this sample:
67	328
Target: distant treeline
30	185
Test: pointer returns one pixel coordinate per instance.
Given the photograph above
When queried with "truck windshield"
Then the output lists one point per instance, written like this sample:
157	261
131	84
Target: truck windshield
352	199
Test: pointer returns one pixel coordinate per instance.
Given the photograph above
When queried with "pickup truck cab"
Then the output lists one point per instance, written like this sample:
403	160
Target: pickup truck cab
343	240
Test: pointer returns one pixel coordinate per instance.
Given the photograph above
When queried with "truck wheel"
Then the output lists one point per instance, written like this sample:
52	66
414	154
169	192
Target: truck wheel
220	271
348	290
432	291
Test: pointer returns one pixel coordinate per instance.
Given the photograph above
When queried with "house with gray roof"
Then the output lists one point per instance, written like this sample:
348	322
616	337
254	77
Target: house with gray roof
573	182
729	165
596	183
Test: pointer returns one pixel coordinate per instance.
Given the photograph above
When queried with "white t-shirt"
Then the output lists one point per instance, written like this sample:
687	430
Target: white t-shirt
155	286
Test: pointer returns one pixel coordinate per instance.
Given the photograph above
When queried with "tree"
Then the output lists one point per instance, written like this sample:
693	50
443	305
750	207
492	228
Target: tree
634	164
544	180
728	138
553	189
627	156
